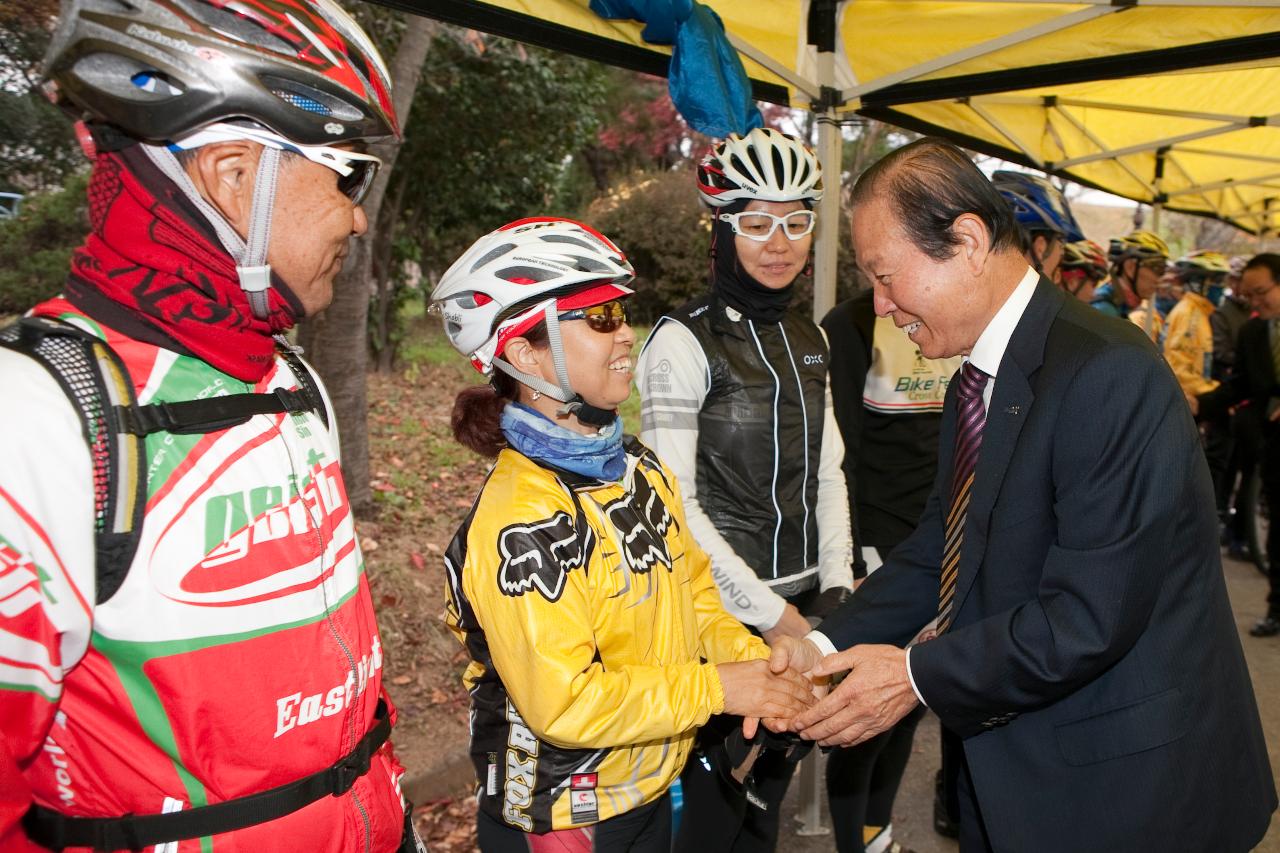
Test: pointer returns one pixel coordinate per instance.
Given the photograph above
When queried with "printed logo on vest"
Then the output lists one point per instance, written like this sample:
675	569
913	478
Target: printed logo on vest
260	545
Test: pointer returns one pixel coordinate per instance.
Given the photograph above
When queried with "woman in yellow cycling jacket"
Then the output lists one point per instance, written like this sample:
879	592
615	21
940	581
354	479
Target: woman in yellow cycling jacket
597	639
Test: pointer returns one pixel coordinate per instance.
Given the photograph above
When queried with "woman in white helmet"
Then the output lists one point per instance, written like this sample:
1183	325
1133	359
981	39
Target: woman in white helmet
736	401
574	583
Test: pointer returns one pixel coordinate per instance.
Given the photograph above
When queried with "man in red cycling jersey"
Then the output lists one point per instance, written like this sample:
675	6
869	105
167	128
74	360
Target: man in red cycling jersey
223	691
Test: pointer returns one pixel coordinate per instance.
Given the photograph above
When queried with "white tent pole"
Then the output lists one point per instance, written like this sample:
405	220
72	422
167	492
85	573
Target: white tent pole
1093	137
1034	100
764	60
1004	131
830	155
1148	146
1152	110
1219	185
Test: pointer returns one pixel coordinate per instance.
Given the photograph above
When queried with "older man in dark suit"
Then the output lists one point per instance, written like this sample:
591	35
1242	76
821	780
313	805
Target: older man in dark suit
1086	651
1255	381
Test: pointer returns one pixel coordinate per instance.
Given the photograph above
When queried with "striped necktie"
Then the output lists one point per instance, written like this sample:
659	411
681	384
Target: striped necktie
971	417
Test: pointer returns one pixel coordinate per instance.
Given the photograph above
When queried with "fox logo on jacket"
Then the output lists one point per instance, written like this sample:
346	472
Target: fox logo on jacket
541	555
642	519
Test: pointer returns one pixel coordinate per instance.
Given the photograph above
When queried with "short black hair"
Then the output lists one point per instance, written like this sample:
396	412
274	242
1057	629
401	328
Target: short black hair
930	183
1267	260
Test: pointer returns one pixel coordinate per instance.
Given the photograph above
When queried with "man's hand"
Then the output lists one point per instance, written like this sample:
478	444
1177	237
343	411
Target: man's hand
752	691
792	624
872	698
790	654
794	654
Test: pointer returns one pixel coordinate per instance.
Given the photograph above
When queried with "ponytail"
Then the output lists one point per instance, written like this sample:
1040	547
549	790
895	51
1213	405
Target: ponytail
477	411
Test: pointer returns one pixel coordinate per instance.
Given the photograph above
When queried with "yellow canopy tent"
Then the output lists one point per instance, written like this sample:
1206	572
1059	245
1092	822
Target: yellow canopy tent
1170	102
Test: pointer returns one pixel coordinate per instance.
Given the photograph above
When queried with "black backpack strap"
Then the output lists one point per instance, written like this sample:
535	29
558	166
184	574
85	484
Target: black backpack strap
94	379
136	832
307	382
188	417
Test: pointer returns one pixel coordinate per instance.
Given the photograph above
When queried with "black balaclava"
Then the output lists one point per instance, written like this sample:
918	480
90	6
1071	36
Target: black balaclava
733	285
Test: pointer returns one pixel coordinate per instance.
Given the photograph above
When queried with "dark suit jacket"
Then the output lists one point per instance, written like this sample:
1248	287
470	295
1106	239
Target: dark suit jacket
1253	378
1093	666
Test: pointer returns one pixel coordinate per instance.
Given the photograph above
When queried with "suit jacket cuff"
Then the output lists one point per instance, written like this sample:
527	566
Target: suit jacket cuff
911	677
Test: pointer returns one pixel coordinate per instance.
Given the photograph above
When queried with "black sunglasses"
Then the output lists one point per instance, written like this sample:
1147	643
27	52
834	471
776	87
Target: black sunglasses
355	185
604	318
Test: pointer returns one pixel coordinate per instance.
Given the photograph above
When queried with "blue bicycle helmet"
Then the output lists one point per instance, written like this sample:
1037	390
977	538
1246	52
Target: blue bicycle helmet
1037	205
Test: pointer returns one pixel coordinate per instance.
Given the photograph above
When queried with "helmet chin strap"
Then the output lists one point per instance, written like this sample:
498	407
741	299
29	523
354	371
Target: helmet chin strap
251	256
573	402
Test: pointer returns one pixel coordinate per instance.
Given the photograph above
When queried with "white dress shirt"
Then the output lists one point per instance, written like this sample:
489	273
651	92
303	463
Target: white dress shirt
986	355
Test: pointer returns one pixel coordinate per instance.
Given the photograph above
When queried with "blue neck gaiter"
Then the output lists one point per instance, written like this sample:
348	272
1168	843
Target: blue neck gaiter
533	434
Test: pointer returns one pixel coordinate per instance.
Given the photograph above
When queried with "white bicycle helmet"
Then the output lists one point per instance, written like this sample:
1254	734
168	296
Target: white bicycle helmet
524	273
764	165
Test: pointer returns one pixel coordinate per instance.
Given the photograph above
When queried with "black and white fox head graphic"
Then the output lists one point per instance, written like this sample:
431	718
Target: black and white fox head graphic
541	555
642	519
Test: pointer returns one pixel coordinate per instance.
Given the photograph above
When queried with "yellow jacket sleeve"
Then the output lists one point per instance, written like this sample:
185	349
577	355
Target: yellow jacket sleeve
544	650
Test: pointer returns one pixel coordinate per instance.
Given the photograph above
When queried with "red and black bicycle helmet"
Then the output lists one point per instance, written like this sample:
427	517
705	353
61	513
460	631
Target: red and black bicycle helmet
161	69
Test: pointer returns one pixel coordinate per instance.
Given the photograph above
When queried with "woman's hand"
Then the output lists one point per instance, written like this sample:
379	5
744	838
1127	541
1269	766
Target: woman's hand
752	691
792	624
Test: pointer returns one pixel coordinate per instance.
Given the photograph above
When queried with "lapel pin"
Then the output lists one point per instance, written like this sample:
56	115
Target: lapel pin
1013	410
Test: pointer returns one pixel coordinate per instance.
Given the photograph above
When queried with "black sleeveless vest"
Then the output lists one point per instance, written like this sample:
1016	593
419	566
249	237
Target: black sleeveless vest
760	433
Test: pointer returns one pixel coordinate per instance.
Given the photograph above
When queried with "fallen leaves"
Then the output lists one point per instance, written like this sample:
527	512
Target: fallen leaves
448	826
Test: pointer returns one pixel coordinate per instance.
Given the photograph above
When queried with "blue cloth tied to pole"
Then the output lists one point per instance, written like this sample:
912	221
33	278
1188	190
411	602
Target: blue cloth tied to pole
707	82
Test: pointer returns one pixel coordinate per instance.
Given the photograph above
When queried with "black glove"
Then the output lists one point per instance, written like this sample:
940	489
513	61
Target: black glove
828	601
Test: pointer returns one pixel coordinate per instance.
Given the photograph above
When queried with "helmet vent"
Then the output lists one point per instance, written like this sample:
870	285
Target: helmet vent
489	257
530	275
572	241
310	99
153	82
589	265
244	28
125	78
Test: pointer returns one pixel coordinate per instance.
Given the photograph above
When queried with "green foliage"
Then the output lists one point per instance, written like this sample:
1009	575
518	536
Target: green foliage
37	147
493	126
489	137
658	221
36	246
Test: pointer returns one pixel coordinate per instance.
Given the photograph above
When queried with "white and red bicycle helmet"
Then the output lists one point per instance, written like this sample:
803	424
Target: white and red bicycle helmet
527	272
764	165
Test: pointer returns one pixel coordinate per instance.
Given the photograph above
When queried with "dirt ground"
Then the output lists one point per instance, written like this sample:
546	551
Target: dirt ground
425	484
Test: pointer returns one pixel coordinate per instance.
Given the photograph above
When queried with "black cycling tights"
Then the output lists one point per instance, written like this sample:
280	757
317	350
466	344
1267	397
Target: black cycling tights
643	830
862	782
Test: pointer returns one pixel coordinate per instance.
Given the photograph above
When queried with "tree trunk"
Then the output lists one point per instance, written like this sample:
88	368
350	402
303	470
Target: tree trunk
383	278
337	339
595	165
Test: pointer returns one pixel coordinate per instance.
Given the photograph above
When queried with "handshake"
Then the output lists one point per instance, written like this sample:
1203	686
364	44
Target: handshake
789	691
